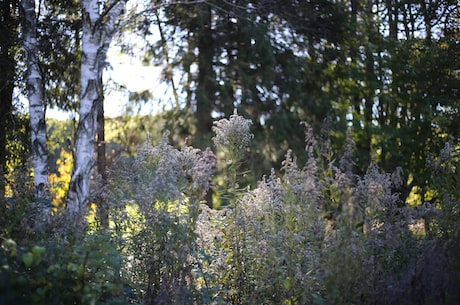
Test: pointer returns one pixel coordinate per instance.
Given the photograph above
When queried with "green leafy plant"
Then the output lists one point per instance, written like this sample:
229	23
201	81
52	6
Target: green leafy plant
87	273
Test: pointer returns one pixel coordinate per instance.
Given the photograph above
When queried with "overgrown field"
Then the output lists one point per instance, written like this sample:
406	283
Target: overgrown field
313	233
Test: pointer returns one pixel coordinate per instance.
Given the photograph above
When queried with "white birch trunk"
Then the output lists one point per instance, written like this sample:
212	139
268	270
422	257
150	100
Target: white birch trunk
98	28
34	85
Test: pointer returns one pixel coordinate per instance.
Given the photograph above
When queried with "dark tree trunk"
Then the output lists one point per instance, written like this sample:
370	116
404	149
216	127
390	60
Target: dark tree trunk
393	13
102	207
205	91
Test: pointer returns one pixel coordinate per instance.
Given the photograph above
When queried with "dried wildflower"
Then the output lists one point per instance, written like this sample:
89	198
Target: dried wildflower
310	139
233	133
189	157
446	153
199	168
292	172
443	161
346	162
204	169
157	172
270	193
208	229
397	177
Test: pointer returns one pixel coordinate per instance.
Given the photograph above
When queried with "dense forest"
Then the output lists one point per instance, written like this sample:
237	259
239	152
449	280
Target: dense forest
306	152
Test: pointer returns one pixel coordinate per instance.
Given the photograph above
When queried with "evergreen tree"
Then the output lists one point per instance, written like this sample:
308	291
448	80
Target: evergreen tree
59	39
9	23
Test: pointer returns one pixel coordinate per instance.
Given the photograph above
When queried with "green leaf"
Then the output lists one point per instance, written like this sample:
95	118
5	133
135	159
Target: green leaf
38	253
27	259
287	283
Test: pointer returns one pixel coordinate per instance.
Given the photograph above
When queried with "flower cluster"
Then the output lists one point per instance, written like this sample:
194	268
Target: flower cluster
158	171
199	167
233	133
162	173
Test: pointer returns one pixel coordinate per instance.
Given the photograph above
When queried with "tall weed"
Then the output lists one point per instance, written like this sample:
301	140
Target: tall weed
313	233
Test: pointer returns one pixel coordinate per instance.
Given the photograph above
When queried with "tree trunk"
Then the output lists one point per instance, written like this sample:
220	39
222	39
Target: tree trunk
89	98
393	14
205	91
98	29
36	99
102	208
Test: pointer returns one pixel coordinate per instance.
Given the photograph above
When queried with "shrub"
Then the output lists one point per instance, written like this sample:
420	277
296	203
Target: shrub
156	200
314	235
83	273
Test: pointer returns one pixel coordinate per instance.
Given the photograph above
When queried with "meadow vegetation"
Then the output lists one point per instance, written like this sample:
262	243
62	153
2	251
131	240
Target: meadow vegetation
312	233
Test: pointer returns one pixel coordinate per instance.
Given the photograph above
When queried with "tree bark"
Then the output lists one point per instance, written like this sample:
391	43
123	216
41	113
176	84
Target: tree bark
205	91
34	85
98	28
101	204
89	97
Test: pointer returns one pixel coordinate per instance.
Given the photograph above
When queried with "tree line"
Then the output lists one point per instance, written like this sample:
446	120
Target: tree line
385	72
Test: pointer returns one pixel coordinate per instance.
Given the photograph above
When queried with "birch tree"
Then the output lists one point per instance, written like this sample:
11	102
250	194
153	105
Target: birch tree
35	94
99	25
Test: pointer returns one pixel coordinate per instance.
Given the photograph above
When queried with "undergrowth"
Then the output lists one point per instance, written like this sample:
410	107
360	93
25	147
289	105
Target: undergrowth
313	233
